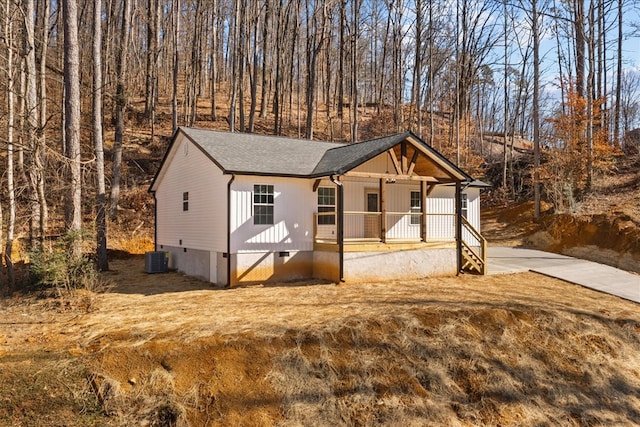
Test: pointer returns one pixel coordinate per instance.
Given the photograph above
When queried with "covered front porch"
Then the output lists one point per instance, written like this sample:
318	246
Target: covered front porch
418	220
403	200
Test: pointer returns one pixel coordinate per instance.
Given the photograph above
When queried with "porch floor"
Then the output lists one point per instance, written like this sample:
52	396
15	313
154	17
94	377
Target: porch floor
377	246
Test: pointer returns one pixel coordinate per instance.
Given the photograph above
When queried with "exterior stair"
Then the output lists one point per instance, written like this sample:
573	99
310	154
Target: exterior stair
474	249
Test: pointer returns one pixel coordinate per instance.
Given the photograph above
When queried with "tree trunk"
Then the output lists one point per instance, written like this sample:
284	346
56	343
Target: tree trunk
176	64
590	97
616	120
580	36
417	75
253	74
265	38
506	99
11	193
101	223
121	104
234	68
72	120
152	47
35	140
536	109
214	58
315	40
355	24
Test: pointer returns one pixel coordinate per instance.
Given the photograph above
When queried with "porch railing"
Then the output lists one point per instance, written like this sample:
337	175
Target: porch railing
400	226
474	248
405	227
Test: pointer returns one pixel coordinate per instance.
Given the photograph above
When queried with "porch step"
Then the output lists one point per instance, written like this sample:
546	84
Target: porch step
474	256
471	261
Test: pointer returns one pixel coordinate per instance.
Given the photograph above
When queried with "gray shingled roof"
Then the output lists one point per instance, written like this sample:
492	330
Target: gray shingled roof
252	154
339	160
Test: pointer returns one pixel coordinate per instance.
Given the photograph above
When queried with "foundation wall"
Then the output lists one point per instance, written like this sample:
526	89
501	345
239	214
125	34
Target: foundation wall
193	262
269	267
413	264
264	267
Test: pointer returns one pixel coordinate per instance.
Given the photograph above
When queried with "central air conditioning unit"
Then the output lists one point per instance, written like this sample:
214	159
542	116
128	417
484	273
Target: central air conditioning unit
156	262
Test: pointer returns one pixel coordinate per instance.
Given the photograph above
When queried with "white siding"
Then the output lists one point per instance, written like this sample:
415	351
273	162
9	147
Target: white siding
399	205
440	214
441	209
474	207
203	226
294	205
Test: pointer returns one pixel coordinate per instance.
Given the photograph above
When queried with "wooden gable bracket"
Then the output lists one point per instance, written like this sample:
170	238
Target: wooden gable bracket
316	184
394	160
403	155
438	163
414	158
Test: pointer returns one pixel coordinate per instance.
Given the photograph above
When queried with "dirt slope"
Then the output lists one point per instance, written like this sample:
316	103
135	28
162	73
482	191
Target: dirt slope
168	350
604	227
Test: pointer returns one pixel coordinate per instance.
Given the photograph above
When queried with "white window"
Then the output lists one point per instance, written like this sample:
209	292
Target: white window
464	211
263	204
326	203
185	201
416	208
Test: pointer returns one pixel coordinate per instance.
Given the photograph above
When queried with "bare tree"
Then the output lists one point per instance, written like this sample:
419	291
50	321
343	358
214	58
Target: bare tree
536	107
265	44
101	223
616	120
11	193
72	120
316	34
120	106
176	63
33	131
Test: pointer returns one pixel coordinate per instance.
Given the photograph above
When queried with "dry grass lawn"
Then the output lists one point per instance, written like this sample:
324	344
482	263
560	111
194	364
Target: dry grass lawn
169	350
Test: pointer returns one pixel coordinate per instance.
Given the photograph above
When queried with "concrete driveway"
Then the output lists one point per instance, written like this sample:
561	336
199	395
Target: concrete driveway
603	278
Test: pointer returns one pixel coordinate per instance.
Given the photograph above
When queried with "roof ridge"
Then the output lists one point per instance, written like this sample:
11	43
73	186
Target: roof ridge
261	135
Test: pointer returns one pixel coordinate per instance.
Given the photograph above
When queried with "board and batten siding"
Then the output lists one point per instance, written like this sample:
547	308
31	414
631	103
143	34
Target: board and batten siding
294	205
441	212
203	225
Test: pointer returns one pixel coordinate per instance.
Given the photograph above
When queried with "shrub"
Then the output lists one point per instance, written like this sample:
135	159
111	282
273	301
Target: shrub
61	269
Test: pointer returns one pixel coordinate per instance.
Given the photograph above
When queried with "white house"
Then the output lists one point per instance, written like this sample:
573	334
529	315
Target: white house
236	208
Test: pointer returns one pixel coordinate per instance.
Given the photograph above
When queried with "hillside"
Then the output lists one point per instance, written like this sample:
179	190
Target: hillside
605	226
168	350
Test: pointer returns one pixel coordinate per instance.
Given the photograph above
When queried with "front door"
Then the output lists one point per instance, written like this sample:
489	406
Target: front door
372	221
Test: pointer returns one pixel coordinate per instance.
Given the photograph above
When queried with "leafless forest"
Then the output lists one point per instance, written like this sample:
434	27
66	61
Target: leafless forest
82	78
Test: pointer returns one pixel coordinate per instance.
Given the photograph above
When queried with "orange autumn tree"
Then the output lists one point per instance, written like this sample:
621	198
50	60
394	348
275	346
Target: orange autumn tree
565	173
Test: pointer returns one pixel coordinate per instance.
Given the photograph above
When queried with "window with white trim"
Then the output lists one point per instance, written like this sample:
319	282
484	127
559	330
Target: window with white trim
326	203
262	204
464	210
416	208
185	201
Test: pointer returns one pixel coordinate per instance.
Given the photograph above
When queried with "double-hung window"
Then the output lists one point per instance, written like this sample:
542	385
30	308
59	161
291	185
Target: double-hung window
464	211
263	204
326	203
416	208
185	201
